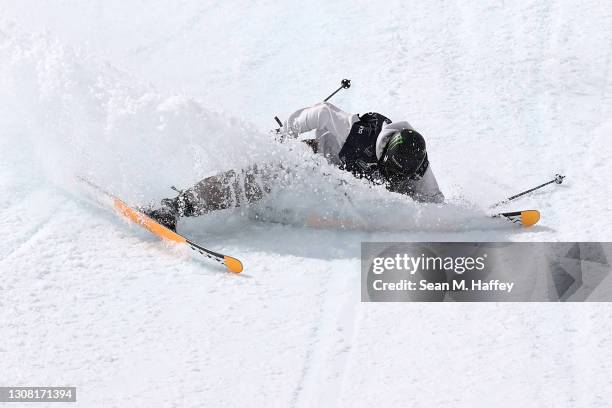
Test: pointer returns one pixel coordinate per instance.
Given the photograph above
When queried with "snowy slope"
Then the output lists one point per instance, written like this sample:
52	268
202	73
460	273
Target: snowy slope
130	93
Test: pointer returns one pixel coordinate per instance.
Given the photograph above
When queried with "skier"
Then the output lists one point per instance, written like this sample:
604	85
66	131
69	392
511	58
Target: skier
369	146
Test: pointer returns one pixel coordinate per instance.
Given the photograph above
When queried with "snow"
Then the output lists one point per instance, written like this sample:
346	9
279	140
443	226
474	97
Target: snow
140	97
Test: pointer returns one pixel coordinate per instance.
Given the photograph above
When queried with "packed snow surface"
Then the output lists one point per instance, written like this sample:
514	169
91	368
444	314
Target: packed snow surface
143	96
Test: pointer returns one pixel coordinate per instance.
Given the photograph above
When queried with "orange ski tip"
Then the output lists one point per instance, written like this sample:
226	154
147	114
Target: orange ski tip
530	217
233	264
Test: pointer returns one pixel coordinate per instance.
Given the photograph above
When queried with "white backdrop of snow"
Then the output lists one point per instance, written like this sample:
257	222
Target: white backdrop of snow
140	97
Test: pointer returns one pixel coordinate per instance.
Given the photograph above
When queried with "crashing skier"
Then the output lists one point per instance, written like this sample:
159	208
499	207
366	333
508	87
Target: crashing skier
369	146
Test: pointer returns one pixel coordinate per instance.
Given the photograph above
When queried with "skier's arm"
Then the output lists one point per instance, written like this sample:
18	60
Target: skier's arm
322	116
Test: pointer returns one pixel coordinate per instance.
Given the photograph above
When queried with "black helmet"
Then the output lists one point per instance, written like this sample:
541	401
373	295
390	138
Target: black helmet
405	155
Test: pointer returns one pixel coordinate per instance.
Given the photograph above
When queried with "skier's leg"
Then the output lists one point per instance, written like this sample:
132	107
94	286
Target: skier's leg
226	190
229	189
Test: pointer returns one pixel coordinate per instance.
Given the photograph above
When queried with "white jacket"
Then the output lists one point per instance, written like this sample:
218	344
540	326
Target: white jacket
332	126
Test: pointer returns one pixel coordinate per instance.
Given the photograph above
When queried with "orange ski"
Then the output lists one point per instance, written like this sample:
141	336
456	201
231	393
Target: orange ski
232	264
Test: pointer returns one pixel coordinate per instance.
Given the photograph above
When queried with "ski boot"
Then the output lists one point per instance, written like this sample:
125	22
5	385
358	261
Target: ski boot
166	214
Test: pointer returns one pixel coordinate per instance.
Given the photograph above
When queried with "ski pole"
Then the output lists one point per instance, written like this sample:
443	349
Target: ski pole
344	84
558	180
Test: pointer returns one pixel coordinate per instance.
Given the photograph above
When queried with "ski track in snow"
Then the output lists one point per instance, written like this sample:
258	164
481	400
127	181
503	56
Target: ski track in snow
324	368
506	95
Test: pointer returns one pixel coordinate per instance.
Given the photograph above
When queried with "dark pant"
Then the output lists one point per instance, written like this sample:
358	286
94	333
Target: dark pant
230	189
